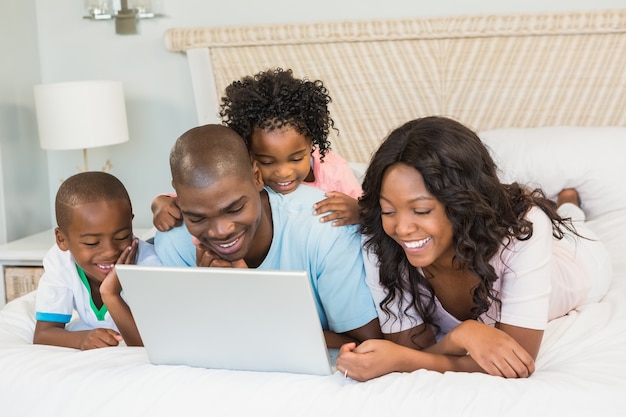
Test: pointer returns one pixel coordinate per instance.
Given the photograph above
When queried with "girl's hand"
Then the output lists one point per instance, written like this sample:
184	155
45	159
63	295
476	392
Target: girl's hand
343	209
165	213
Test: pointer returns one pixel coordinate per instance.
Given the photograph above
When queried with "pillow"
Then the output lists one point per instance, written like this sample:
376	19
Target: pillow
590	159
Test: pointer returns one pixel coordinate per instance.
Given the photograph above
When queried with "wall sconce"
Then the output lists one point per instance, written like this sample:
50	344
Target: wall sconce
125	12
81	115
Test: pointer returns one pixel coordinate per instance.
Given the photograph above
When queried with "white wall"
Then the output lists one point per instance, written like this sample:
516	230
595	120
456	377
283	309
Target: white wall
157	84
24	198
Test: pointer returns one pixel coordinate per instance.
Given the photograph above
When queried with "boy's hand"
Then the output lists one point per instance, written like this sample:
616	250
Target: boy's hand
111	284
207	258
165	213
98	338
343	209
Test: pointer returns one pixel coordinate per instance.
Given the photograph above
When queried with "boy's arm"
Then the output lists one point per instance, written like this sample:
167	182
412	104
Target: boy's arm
119	310
51	333
111	293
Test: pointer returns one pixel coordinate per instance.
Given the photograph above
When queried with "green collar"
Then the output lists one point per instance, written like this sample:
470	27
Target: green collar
100	313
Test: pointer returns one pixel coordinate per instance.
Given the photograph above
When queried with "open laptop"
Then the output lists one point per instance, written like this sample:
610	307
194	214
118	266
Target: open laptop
241	319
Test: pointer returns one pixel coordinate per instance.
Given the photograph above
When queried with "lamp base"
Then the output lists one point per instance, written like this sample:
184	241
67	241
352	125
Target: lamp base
106	168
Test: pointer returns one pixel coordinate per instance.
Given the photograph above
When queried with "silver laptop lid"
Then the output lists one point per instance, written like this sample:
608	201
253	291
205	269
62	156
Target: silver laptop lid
243	319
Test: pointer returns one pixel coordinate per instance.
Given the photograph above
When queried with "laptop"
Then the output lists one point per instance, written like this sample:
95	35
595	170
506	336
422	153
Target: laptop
227	318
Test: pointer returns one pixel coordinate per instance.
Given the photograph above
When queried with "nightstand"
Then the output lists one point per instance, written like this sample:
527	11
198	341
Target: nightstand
22	262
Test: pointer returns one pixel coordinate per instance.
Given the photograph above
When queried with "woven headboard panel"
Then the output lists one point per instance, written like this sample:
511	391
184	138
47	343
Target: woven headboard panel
486	71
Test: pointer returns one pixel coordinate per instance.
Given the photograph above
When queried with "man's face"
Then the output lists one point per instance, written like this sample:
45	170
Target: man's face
224	216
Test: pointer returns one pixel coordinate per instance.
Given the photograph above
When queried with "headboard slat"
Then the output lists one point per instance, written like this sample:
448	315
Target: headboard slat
486	71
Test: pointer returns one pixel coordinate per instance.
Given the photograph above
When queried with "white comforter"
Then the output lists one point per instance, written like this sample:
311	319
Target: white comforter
581	368
581	371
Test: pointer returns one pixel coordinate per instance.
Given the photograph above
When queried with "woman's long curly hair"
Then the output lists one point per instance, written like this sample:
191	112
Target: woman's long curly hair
274	98
485	214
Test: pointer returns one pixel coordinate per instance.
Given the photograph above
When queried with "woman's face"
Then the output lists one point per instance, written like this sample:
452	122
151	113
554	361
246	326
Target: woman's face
414	218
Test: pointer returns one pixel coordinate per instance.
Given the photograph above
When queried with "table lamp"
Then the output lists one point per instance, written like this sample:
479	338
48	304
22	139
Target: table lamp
81	115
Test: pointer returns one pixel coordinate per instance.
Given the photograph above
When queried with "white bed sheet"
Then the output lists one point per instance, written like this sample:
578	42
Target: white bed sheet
581	371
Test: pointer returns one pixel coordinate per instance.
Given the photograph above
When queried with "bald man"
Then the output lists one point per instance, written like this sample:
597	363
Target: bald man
232	220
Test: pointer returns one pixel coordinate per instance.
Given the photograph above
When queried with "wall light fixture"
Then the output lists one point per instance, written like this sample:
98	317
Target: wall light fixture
126	13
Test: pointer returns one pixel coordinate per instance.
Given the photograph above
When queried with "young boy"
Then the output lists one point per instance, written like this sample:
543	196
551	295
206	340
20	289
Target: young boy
285	123
94	232
237	222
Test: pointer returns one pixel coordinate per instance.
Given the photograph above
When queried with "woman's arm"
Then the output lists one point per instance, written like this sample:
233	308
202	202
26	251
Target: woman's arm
470	347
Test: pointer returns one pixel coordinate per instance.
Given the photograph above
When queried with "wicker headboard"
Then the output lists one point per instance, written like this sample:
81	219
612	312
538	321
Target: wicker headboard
485	71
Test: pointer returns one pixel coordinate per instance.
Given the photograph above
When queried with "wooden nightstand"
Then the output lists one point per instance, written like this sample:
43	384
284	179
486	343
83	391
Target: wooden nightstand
22	262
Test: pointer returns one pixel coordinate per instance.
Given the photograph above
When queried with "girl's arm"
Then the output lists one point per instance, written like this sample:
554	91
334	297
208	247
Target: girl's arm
165	212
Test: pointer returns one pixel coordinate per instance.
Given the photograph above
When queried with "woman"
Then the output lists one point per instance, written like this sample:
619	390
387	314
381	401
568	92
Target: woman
466	271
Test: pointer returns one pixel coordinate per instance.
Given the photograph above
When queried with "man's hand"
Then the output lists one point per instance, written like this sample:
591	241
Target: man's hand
207	258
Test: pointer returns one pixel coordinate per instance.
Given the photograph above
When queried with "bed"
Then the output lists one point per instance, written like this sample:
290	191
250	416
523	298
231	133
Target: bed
547	94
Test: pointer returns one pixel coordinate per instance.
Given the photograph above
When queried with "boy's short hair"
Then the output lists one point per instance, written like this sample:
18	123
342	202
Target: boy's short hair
86	187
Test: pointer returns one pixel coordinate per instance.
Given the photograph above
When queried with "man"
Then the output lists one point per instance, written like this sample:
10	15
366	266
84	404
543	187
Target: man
232	220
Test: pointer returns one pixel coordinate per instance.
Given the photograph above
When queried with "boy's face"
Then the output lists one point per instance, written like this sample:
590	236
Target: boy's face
97	235
284	157
226	216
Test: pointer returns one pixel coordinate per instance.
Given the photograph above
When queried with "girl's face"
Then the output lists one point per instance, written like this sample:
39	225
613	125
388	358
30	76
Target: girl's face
97	235
284	157
414	218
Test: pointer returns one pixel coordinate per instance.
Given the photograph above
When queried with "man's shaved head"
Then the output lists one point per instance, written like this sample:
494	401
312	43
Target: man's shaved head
205	154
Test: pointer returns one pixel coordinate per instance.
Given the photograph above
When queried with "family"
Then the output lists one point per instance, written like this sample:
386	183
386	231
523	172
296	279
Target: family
430	263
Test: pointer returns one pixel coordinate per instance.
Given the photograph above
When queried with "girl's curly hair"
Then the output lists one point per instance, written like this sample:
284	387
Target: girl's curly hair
485	214
274	98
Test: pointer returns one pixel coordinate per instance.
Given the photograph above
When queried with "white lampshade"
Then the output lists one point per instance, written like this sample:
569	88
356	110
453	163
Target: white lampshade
81	114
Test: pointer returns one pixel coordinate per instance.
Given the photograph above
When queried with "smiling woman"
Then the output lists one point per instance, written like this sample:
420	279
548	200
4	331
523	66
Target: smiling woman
453	250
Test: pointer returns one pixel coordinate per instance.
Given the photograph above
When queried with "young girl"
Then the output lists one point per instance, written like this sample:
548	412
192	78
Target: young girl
466	271
285	122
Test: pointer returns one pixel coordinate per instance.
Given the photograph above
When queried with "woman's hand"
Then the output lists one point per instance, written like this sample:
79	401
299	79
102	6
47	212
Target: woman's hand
495	351
370	359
